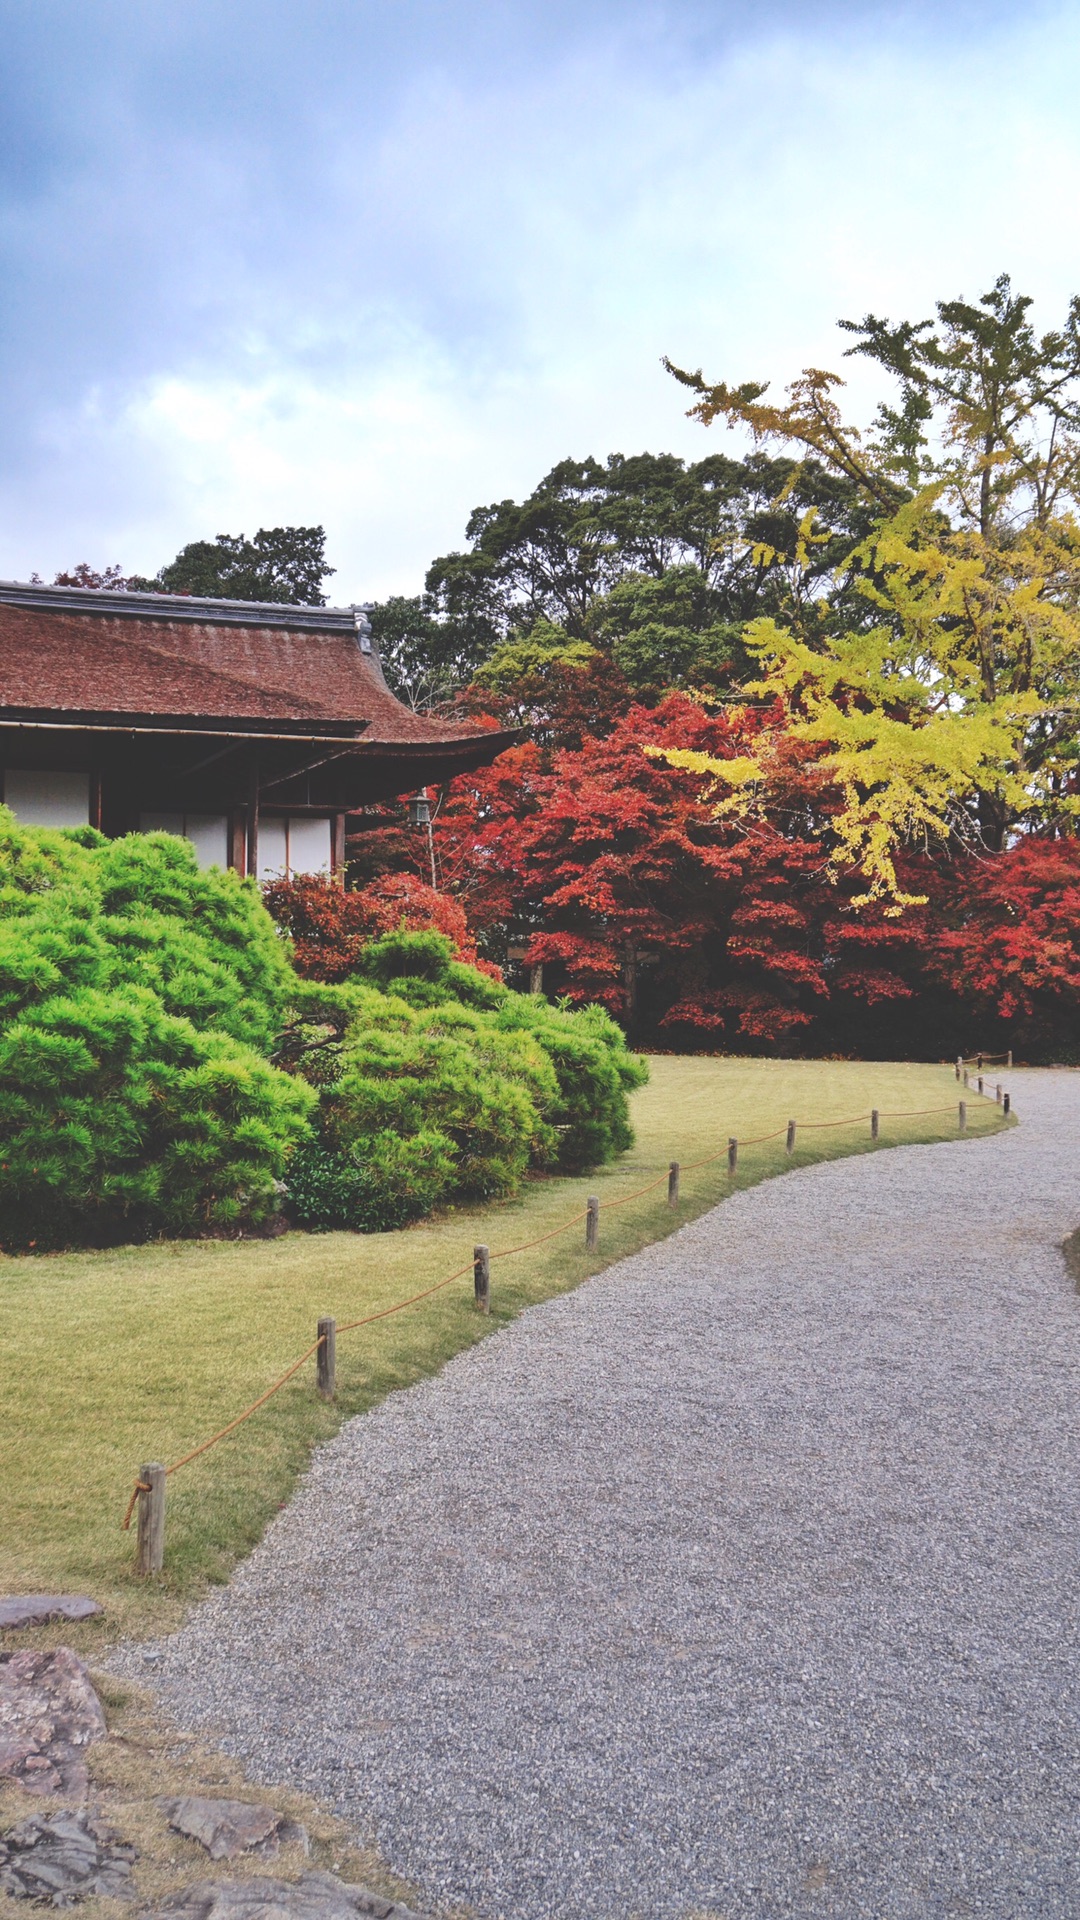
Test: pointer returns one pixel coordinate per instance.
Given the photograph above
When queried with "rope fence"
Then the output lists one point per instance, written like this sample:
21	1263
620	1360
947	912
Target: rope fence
148	1492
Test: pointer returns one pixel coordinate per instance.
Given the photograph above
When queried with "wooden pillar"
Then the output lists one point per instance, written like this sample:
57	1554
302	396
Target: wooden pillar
251	853
338	855
326	1359
150	1539
482	1279
237	841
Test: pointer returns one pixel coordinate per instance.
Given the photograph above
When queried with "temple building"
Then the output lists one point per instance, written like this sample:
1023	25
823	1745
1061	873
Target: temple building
254	730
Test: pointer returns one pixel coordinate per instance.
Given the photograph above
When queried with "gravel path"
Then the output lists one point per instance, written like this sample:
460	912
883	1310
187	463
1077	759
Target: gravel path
742	1581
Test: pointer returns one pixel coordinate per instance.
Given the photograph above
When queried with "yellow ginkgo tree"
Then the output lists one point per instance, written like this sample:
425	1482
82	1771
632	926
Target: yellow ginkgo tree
937	672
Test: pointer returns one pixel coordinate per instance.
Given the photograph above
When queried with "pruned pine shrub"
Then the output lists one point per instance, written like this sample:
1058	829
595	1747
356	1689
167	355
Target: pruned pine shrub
138	999
424	1051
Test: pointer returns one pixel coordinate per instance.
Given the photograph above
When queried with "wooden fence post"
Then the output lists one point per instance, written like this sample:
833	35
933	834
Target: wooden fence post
965	1076
959	1065
998	1093
673	1184
1005	1104
979	1062
482	1279
1008	1062
150	1540
875	1124
326	1360
791	1136
592	1223
979	1083
732	1157
963	1117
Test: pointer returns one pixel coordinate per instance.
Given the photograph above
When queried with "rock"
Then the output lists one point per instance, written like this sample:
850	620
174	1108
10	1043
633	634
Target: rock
228	1827
315	1896
33	1609
62	1857
49	1713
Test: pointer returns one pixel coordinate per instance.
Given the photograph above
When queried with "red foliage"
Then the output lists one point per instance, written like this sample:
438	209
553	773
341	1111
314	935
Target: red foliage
578	852
1011	944
613	870
329	927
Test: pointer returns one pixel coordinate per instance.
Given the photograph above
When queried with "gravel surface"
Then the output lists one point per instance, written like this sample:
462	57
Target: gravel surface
741	1581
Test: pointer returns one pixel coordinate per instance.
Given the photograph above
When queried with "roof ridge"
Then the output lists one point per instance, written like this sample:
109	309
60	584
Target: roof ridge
183	606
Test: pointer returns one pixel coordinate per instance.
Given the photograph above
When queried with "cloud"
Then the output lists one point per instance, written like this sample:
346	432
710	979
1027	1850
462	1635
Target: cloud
378	272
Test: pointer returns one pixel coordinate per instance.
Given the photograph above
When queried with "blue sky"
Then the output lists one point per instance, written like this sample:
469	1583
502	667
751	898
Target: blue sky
373	262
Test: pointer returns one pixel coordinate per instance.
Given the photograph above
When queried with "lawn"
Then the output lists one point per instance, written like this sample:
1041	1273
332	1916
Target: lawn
140	1353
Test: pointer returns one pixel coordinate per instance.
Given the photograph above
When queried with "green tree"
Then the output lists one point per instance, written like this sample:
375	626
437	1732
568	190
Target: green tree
587	527
285	565
652	562
425	658
663	631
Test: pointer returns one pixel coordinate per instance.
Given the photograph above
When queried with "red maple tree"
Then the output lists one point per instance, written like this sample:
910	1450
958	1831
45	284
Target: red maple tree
611	871
1007	945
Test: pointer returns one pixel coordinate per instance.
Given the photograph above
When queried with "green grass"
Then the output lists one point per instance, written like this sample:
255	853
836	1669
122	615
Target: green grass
140	1353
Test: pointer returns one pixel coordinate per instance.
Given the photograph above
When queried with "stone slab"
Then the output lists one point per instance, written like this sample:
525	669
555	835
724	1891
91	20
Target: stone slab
34	1609
57	1859
49	1715
228	1827
315	1896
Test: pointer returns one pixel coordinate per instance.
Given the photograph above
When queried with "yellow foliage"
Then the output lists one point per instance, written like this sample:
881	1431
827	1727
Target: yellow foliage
939	678
931	706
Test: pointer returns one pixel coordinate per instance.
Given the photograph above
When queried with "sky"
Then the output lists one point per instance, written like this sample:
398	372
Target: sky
372	263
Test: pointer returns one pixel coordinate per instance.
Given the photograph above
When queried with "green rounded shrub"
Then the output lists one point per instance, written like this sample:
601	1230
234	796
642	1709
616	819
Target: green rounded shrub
417	1040
138	998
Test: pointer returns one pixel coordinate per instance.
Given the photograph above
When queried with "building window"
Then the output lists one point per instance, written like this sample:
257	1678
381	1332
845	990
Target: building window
208	833
291	844
47	799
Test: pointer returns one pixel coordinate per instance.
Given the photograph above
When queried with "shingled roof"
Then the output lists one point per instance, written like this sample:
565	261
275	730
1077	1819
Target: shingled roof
79	655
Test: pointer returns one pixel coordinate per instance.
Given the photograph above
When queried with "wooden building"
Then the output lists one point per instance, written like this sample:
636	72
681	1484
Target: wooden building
254	730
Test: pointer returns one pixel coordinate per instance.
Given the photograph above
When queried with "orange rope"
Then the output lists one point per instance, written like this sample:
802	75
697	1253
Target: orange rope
651	1188
691	1166
918	1113
139	1487
385	1312
526	1245
248	1411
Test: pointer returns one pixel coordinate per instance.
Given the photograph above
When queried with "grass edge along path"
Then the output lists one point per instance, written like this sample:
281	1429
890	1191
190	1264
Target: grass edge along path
143	1352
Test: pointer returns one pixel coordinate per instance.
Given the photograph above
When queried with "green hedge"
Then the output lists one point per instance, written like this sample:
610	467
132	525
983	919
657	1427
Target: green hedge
163	1069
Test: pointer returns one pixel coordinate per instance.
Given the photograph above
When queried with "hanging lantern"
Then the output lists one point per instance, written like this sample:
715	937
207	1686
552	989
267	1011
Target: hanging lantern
419	809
